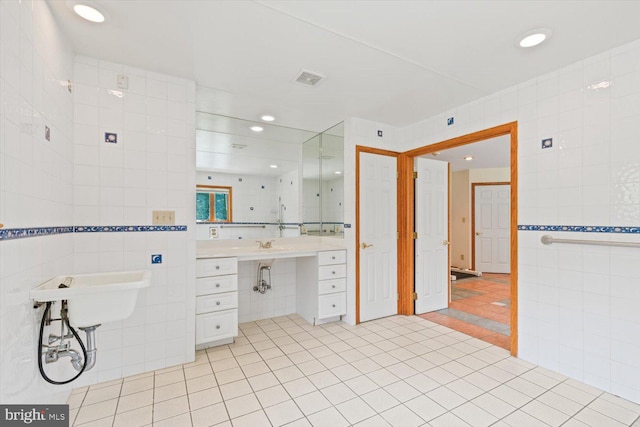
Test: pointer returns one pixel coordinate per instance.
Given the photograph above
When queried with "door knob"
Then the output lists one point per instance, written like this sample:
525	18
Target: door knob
445	242
478	233
366	245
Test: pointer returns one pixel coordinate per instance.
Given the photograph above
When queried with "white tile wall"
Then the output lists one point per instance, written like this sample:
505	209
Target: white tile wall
278	301
152	167
36	186
576	303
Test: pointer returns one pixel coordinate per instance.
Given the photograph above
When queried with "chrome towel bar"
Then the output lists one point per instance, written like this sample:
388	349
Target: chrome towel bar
547	240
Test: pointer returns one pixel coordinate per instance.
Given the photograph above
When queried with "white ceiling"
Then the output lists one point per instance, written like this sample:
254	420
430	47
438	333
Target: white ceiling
490	153
395	62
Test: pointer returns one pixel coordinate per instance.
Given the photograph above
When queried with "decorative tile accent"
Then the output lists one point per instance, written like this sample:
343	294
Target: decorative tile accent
127	228
21	233
581	228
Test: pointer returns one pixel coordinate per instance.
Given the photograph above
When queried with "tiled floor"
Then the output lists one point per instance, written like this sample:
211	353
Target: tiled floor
480	307
399	371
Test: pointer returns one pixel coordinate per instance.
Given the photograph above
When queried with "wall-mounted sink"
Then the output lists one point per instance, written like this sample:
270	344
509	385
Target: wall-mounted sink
95	298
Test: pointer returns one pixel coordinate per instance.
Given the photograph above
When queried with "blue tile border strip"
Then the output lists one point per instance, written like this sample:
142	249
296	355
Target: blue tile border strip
126	228
581	228
266	223
21	233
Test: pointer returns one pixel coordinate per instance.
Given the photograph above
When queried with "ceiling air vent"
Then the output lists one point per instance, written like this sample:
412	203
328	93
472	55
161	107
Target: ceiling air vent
238	146
309	78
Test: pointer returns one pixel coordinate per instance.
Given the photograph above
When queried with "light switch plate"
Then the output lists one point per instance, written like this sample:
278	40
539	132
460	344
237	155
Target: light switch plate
163	218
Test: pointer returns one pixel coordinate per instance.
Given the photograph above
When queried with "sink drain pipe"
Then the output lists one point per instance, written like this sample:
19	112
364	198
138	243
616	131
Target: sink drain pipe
53	353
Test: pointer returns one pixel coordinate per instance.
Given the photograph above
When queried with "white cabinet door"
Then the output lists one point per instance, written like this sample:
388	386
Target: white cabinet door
378	232
216	326
432	226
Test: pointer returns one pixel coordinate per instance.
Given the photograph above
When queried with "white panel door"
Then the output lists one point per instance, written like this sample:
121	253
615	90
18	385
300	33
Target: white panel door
432	226
493	228
378	244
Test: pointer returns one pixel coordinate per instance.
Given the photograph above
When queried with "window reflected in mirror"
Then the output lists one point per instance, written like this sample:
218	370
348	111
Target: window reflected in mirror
213	203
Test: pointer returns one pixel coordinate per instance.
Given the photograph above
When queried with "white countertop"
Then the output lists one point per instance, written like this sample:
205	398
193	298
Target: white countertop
293	247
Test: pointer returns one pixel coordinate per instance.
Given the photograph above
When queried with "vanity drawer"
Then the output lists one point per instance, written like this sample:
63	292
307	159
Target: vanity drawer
331	286
332	257
216	302
332	305
216	326
216	266
332	271
216	284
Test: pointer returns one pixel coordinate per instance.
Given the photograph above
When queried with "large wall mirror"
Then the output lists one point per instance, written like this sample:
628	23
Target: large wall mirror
253	179
323	183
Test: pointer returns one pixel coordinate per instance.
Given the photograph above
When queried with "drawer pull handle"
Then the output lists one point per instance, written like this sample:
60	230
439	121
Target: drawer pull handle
217	267
333	286
217	302
217	285
333	272
333	305
217	326
333	257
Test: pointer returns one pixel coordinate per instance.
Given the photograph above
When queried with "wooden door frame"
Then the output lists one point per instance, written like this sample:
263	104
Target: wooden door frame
380	152
406	205
473	217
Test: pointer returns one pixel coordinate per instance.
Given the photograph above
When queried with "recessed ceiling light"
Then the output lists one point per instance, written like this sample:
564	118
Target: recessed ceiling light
257	128
273	166
268	118
338	172
534	37
467	158
89	13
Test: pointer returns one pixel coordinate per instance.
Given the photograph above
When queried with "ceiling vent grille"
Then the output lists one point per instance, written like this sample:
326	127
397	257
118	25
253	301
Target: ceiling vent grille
309	78
238	146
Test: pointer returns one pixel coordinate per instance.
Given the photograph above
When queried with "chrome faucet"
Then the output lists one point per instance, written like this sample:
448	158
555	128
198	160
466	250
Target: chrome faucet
265	245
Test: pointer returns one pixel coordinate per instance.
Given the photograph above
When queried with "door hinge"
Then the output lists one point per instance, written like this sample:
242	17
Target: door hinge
415	175
397	235
397	297
415	296
397	174
415	235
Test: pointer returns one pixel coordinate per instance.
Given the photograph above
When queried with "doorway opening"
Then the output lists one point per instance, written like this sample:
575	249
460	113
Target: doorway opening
493	291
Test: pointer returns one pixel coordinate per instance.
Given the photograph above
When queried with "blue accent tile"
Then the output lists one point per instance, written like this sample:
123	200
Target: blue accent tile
581	228
156	259
21	233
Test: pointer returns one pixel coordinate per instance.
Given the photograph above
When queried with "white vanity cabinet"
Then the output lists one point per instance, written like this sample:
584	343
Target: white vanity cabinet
321	291
216	301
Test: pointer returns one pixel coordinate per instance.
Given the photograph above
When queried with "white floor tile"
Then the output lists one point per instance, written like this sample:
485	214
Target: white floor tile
425	407
401	416
283	413
312	403
209	415
329	417
474	415
204	398
399	371
446	398
355	410
254	419
380	400
272	396
170	408
299	387
96	411
338	393
545	413
136	418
